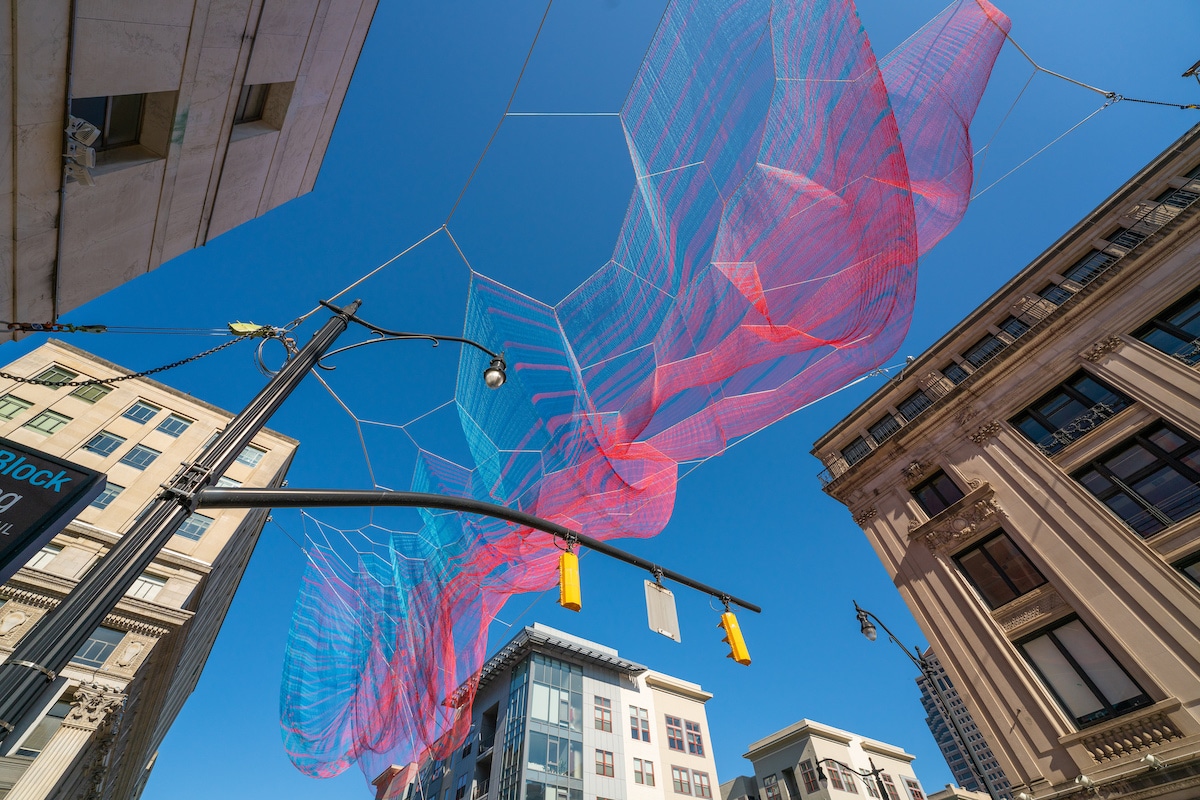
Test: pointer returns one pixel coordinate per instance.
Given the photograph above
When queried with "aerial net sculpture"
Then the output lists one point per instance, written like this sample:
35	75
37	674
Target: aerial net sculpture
786	184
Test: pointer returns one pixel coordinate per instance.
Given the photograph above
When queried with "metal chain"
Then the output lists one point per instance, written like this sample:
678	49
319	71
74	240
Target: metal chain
142	374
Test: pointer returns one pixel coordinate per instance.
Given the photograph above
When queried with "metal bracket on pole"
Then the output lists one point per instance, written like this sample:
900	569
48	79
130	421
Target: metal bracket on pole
49	673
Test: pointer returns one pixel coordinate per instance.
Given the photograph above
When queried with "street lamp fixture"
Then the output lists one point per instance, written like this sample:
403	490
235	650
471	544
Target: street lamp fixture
867	622
873	773
494	375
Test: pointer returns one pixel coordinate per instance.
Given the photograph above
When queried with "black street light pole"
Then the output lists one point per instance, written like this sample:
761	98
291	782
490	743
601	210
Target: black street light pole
51	643
327	498
868	630
874	772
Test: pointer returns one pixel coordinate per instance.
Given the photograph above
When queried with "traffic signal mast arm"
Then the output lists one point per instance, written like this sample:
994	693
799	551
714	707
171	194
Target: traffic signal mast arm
330	498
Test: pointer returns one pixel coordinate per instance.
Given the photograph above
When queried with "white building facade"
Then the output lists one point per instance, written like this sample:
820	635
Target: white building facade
557	717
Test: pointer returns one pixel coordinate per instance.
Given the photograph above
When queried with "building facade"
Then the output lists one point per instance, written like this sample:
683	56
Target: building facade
557	717
811	760
205	114
1032	484
98	726
942	718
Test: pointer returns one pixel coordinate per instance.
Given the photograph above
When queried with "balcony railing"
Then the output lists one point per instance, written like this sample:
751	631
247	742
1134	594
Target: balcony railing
1189	353
1153	217
1082	425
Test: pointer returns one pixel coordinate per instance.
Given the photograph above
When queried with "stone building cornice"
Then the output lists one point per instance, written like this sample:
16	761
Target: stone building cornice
37	589
975	514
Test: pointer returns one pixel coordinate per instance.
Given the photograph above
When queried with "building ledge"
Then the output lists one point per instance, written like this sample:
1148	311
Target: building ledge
962	522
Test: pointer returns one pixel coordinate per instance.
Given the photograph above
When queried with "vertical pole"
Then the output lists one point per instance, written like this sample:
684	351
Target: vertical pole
49	646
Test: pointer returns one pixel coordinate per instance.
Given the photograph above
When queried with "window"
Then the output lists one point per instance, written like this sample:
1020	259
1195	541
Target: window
856	451
1081	673
639	720
881	430
702	784
674	733
104	443
119	118
835	777
937	493
983	351
1072	410
680	781
460	789
194	526
557	693
55	376
250	103
1087	268
955	373
771	786
603	714
912	406
146	587
809	776
140	456
251	456
48	422
847	778
1126	238
643	772
141	412
1177	198
98	647
92	392
1014	327
889	786
1150	480
872	787
604	763
44	556
914	789
41	733
224	482
174	425
1176	331
109	494
1055	294
1191	568
11	405
695	741
555	755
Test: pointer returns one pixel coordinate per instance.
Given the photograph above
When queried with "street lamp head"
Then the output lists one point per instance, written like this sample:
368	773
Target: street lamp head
494	376
868	627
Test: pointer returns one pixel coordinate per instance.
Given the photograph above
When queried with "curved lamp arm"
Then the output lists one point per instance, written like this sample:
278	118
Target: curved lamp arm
494	376
868	630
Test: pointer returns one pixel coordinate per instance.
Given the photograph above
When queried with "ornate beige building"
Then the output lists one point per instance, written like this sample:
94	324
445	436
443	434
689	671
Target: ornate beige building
203	114
1032	484
100	722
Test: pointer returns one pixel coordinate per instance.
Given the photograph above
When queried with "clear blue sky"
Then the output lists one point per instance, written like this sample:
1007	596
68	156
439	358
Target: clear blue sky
541	215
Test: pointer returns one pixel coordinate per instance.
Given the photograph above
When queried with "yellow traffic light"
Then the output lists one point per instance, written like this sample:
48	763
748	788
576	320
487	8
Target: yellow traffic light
733	637
568	581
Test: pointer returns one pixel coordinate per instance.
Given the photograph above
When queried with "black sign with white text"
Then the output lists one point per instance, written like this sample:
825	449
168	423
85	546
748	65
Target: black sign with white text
39	495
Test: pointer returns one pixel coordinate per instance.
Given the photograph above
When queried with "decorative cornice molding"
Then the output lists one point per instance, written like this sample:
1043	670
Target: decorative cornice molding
135	626
913	472
28	598
91	704
985	432
970	516
1130	737
1102	348
864	516
1036	605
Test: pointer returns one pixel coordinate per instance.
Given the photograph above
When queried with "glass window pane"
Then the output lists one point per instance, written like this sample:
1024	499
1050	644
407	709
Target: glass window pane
251	456
986	578
11	405
1096	663
141	411
1014	564
91	393
125	118
1170	492
955	373
541	702
91	109
1079	700
1129	461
